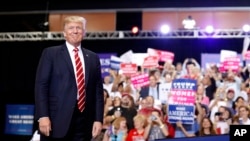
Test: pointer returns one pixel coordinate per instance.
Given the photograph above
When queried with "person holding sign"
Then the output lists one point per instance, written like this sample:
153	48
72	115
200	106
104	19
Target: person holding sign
206	128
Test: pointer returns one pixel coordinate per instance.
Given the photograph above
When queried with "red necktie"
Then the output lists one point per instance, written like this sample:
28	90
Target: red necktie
80	81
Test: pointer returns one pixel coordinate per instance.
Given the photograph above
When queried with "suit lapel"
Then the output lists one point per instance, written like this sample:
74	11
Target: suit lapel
67	59
87	65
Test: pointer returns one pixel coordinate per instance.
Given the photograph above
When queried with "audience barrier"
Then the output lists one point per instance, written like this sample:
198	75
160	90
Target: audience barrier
204	138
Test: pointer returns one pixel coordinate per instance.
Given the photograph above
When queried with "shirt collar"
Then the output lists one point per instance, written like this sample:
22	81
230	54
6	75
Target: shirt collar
70	47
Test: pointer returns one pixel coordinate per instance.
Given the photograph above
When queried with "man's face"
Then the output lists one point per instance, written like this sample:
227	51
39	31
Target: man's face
190	67
230	95
152	81
73	33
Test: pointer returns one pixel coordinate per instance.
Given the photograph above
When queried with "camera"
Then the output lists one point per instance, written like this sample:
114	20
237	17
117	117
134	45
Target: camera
218	114
224	75
153	117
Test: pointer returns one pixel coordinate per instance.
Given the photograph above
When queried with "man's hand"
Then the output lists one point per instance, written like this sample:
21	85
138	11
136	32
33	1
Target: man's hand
97	128
45	125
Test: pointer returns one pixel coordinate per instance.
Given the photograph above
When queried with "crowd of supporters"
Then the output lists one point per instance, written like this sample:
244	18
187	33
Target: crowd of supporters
139	114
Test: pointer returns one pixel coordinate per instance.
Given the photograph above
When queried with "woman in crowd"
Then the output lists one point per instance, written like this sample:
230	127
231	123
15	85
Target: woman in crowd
118	130
156	128
206	128
137	133
244	114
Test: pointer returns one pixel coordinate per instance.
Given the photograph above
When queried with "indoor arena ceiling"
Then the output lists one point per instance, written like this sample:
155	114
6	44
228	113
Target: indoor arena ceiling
9	7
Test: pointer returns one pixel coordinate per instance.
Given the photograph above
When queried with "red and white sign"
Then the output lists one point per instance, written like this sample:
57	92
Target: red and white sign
140	80
151	62
128	68
230	63
164	56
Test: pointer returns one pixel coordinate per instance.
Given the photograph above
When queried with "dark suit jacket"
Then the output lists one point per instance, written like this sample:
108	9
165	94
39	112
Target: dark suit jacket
56	90
145	91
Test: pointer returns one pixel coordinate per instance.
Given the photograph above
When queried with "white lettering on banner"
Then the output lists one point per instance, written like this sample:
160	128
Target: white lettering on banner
139	77
180	118
14	116
28	121
181	108
183	93
105	70
14	121
184	85
105	62
181	103
21	119
174	118
187	118
234	59
180	113
129	69
231	67
27	117
181	99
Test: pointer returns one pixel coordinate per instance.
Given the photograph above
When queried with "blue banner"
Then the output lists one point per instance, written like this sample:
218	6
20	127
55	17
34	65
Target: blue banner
19	119
208	59
184	84
183	113
105	62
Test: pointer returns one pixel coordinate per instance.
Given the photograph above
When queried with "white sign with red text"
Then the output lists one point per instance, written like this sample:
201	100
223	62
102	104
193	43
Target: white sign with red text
140	80
128	68
164	56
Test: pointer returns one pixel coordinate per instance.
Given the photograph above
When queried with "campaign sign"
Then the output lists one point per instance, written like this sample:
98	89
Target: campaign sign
128	69
165	56
184	84
151	62
115	62
183	113
105	62
19	119
230	63
183	91
140	80
239	132
209	59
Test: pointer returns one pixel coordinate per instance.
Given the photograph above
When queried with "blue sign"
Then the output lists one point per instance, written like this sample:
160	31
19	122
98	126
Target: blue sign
184	84
115	63
105	62
183	113
19	119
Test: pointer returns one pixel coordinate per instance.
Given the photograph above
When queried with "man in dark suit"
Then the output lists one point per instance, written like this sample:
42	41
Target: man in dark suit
152	89
58	91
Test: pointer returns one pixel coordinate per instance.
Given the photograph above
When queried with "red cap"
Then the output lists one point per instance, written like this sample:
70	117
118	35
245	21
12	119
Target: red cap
230	90
125	94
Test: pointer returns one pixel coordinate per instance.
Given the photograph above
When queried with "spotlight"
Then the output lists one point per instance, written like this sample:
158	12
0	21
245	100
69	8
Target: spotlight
209	29
135	30
246	28
165	29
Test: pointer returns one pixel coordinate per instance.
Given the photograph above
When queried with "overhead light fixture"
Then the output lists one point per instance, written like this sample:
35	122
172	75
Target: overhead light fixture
135	30
246	28
209	29
165	29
